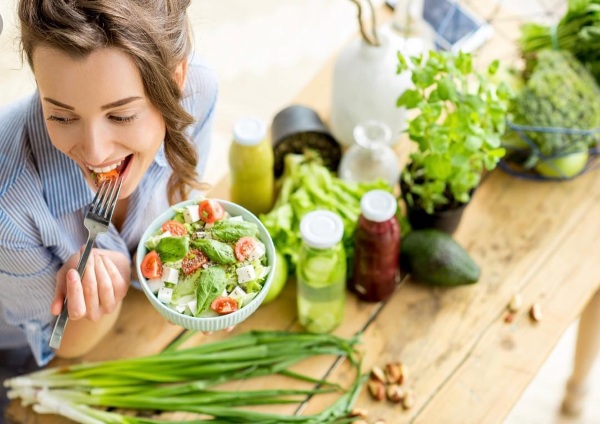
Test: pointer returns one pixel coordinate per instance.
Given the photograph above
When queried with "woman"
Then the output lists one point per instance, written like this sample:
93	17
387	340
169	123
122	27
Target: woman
116	89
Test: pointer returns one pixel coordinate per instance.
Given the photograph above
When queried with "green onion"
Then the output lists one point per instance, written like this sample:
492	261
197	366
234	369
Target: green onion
578	32
181	380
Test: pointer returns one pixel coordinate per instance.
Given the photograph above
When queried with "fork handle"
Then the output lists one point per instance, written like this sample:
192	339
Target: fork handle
61	321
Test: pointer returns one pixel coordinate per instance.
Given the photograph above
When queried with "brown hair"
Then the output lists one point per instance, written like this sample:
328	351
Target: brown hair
154	33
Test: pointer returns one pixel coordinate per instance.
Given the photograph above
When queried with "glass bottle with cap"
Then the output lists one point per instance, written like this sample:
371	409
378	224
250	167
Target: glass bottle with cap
371	157
251	166
321	272
376	247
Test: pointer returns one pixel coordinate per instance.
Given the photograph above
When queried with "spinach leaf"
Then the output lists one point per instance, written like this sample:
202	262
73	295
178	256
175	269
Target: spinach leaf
231	231
171	249
212	282
217	251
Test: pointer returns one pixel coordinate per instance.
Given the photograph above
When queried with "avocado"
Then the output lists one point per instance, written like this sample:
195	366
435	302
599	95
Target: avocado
433	257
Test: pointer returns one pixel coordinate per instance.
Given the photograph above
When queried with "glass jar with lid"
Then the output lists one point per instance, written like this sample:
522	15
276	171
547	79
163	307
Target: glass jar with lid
251	166
376	248
371	157
321	272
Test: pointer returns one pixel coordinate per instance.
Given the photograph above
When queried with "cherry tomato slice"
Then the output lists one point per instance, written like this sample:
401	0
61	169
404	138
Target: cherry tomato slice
243	247
211	211
103	176
151	265
193	261
174	227
224	305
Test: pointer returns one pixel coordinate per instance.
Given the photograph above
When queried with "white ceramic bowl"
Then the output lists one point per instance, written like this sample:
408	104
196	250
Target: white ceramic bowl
208	323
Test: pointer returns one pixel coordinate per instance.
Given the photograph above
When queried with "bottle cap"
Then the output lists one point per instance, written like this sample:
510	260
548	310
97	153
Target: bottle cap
321	229
249	131
378	205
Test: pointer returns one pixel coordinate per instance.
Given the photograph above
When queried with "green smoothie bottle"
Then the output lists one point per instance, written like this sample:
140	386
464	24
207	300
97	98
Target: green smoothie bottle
321	272
251	166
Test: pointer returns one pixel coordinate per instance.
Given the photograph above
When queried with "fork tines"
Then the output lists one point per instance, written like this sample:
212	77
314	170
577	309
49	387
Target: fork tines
106	197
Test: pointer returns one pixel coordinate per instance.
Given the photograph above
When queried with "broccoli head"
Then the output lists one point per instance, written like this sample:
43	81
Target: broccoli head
560	92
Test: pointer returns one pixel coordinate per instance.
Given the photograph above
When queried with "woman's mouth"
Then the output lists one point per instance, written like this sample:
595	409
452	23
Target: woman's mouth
101	174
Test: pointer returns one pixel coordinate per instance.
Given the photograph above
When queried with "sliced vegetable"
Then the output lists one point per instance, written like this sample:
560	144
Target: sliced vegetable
224	305
193	261
211	211
151	265
244	247
174	227
105	176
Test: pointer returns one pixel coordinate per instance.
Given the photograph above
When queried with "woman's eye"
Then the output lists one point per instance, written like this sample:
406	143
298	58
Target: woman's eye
123	119
61	120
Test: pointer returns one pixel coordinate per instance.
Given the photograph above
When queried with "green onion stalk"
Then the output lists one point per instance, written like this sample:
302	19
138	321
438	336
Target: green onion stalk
578	31
182	380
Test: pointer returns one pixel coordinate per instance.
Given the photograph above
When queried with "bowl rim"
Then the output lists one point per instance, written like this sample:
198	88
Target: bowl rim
164	310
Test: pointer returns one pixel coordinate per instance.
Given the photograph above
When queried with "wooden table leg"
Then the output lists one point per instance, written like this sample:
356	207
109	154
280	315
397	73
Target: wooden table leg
588	344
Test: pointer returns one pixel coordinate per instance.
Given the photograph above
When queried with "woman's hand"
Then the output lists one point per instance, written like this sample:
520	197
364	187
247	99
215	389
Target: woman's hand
105	282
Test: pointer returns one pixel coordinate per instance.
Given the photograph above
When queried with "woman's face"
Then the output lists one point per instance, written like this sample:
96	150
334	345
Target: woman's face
98	114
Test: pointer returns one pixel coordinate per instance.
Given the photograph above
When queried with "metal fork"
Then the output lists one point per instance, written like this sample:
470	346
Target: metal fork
97	220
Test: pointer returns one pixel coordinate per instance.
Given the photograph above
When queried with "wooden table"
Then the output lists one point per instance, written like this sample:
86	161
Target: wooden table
466	364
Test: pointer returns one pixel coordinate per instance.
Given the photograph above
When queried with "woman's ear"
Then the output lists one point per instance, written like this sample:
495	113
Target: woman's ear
180	73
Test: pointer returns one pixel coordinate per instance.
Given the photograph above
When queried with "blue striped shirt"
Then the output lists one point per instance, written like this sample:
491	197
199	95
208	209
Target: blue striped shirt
43	196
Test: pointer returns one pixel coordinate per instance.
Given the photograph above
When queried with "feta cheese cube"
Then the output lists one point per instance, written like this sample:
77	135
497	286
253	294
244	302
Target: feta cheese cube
191	214
170	275
245	274
257	252
165	294
224	294
238	218
180	308
154	284
238	292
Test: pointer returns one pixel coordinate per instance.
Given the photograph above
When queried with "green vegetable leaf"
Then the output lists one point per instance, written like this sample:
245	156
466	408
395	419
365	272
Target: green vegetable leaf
493	67
231	231
187	286
211	284
437	166
473	142
217	251
409	99
464	63
172	249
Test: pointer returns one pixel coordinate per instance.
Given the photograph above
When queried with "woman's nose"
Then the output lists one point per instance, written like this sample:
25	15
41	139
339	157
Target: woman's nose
95	144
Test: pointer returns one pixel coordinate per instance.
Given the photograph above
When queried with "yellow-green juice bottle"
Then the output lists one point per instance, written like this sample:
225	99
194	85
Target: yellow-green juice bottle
251	166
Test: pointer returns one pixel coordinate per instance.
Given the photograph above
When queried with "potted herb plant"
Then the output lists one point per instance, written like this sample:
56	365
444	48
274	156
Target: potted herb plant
457	131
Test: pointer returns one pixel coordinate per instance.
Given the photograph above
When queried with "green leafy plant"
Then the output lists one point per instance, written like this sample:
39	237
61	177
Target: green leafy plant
457	130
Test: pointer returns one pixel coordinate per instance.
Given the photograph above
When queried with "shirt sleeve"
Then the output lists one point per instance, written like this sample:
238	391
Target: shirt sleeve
200	99
27	280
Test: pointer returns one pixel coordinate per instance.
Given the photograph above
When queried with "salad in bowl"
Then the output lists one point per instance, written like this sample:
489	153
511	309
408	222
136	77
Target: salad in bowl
206	264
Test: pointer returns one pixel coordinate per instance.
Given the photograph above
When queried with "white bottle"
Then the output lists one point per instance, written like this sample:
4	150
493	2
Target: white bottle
366	87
